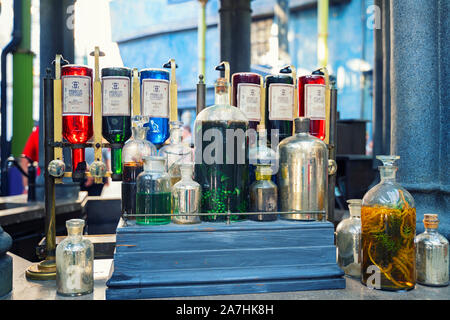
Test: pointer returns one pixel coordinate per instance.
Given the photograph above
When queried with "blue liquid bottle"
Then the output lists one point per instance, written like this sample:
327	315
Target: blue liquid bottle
155	104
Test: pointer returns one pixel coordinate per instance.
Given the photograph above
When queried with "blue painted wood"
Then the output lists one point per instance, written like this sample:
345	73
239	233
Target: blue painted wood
216	258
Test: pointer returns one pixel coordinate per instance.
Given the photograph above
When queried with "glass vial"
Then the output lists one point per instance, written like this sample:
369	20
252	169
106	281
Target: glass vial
153	194
176	152
263	194
75	262
186	196
348	234
432	261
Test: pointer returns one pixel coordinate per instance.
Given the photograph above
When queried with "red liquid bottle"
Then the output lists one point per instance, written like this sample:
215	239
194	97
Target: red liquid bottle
77	114
246	95
311	102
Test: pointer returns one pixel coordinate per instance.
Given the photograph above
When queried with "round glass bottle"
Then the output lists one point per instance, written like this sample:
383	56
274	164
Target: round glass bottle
75	262
221	157
263	194
153	194
186	196
388	227
176	152
348	240
134	150
432	261
260	153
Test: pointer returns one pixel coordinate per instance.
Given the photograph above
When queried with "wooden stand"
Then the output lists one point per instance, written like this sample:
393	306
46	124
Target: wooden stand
218	258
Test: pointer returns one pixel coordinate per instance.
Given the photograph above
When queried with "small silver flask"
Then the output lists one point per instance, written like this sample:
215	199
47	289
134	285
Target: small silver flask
432	261
186	196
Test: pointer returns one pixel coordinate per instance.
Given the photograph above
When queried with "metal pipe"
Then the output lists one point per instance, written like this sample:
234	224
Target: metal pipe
332	149
9	48
322	27
202	38
201	94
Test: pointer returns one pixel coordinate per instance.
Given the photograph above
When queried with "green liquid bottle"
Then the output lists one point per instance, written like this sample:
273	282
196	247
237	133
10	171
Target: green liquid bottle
153	194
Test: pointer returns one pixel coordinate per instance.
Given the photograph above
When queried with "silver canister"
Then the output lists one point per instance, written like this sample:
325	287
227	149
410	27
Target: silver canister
303	174
348	240
432	260
186	197
263	194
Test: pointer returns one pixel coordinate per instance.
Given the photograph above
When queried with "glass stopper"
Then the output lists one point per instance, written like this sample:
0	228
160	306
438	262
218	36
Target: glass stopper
354	206
388	161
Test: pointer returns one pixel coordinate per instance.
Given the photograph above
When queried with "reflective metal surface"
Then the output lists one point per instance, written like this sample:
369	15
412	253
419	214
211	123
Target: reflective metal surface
186	197
303	175
263	197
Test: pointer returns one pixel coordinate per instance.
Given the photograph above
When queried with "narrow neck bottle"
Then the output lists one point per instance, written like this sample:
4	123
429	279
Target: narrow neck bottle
221	92
387	173
139	133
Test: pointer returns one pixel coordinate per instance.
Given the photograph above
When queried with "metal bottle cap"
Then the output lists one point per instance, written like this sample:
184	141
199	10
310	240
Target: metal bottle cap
301	125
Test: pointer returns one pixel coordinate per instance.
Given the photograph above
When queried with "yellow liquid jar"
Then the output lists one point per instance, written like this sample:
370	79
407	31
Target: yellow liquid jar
388	228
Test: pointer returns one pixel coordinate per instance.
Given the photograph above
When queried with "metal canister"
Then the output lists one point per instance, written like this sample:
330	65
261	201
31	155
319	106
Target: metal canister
186	196
303	174
432	256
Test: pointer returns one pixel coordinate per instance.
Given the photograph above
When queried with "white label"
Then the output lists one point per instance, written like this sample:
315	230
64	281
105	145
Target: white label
249	100
315	101
155	98
76	95
116	96
281	101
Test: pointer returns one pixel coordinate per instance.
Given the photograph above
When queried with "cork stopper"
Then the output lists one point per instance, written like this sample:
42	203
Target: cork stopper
430	220
221	86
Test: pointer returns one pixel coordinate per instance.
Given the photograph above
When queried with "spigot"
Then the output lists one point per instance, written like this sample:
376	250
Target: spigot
56	168
332	167
30	175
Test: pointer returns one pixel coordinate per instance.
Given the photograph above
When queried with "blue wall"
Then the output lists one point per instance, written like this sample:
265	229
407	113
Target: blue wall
151	32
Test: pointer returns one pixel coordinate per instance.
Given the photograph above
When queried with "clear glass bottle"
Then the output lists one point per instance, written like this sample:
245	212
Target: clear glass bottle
348	240
263	194
133	152
75	262
388	227
432	261
221	157
186	196
176	152
261	153
153	194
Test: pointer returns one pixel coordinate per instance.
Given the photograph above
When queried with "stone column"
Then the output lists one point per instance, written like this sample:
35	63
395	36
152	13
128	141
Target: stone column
420	103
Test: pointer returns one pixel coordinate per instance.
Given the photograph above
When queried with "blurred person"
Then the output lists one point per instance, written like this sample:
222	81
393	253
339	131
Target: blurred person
30	154
186	118
92	188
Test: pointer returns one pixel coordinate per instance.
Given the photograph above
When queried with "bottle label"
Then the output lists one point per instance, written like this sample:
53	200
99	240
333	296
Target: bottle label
155	98
281	101
315	101
249	100
116	96
76	95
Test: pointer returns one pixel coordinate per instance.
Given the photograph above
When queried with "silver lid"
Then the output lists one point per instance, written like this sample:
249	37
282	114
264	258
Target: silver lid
301	125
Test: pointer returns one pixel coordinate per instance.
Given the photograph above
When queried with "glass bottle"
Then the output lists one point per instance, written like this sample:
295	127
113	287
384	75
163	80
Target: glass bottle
155	103
279	107
176	152
134	150
246	95
303	174
263	194
348	240
260	153
75	262
116	114
77	114
388	227
311	102
153	194
432	262
221	157
186	196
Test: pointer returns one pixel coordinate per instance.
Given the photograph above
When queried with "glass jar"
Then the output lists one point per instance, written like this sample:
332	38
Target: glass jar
176	152
134	150
260	153
75	262
432	260
348	239
153	194
388	227
221	157
263	194
186	196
